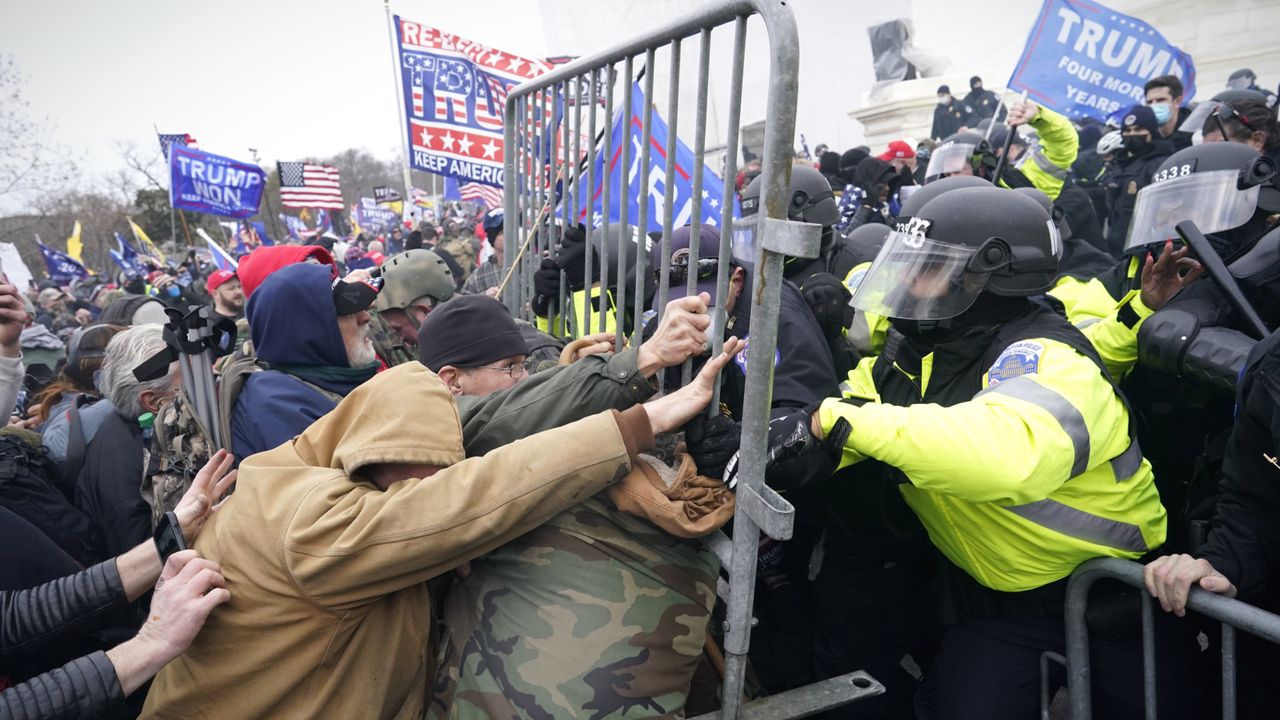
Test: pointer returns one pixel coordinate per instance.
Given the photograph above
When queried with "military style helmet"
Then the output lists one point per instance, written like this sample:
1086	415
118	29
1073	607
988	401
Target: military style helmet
922	195
1219	186
811	198
957	151
411	275
957	246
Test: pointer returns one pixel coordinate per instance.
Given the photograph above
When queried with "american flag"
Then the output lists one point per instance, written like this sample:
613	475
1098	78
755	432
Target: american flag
167	139
488	195
303	185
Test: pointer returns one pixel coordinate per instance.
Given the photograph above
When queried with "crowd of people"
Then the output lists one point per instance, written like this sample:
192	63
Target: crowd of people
406	502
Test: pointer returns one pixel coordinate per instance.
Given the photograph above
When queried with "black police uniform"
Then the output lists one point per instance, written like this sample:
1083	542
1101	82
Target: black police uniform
984	104
1129	175
949	118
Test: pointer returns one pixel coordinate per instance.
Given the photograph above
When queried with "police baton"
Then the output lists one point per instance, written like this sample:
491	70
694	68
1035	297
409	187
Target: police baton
1008	144
1217	270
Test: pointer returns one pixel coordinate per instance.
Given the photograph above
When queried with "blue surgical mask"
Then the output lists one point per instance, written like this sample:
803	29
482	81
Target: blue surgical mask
1162	111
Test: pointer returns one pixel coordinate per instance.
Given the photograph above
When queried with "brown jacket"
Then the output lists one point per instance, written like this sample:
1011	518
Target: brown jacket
329	613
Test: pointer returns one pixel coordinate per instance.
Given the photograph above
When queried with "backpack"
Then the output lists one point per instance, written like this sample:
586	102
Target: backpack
31	487
234	376
179	447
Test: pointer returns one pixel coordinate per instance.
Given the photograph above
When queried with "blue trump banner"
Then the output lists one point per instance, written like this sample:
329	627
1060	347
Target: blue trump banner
127	258
454	91
654	181
62	267
1084	59
214	184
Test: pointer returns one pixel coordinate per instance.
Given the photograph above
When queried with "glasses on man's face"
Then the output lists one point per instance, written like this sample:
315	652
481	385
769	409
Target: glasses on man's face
516	370
705	269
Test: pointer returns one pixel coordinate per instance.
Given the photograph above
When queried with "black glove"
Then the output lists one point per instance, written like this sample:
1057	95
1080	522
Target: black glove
794	456
712	442
572	256
828	298
546	288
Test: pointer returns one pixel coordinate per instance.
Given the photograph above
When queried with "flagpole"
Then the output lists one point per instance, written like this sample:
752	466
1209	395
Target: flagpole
173	223
275	221
399	96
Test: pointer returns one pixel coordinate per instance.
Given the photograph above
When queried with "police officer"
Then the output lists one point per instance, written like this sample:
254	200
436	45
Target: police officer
983	102
1143	152
812	201
781	644
1009	443
949	116
595	307
414	283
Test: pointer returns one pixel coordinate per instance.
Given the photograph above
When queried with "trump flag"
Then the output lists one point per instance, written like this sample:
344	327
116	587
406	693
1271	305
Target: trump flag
454	92
652	185
1083	59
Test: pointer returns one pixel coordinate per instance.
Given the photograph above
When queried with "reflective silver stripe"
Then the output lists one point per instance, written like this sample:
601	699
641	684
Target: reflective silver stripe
1079	524
846	388
1072	422
859	333
1087	322
1126	464
1047	165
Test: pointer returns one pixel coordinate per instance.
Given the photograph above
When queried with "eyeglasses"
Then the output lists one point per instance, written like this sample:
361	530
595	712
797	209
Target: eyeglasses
679	271
1226	112
516	369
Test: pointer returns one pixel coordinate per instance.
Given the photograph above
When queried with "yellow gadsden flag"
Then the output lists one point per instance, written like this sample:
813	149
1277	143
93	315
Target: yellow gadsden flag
148	247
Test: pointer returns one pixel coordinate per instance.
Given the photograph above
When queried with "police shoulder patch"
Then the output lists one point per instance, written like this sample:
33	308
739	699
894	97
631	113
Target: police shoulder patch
1020	358
741	358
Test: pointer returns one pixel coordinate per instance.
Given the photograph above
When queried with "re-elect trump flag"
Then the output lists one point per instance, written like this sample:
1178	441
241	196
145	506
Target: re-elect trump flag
1085	59
653	183
62	267
214	184
454	92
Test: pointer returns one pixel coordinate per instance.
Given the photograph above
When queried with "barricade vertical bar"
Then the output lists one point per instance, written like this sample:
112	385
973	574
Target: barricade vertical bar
568	186
719	317
642	193
510	197
668	186
1228	672
699	158
1148	659
588	196
606	182
526	217
624	202
537	169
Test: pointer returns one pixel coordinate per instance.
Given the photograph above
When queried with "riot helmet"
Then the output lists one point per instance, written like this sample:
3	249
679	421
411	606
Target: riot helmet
1226	189
959	245
958	153
917	199
812	201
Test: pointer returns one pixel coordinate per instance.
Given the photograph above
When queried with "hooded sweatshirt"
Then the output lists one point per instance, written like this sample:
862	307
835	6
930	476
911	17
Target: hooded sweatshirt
329	613
295	330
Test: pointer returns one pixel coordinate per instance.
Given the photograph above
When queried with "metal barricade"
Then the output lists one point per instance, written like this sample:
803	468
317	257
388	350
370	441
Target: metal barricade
544	168
1233	615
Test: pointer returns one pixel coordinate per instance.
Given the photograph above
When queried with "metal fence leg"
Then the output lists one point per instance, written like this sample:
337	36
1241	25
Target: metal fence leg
1046	698
1228	672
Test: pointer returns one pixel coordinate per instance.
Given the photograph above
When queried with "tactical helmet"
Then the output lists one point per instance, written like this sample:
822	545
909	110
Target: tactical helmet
957	151
1219	186
919	197
414	274
1056	212
957	246
811	198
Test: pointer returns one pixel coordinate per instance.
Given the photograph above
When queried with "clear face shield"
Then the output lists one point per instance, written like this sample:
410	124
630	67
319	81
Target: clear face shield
1212	200
746	233
1195	122
918	278
950	159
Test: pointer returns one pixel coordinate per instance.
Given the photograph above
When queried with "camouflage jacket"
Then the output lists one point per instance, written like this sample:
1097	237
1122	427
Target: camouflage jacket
390	347
596	614
179	448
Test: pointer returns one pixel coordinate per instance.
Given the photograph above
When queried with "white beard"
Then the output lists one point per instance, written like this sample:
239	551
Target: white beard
363	353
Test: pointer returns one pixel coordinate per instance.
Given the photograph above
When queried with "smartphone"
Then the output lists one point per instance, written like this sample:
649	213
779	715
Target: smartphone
168	537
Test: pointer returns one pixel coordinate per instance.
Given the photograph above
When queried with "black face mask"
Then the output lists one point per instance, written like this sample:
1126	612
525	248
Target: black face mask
136	286
1136	144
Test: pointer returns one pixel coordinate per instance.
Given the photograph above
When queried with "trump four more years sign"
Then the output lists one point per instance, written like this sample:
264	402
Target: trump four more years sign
1084	59
213	184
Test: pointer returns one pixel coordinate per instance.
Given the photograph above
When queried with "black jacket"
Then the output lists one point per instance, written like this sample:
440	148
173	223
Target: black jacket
1123	181
983	103
85	687
109	487
1244	543
948	119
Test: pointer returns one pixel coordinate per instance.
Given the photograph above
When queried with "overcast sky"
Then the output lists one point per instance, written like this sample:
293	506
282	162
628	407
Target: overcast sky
291	78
